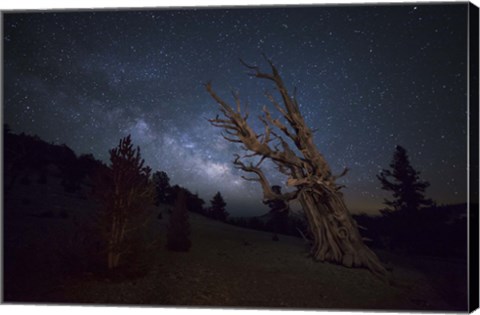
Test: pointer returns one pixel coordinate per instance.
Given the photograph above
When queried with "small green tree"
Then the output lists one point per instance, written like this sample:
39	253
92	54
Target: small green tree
404	181
217	210
125	193
178	233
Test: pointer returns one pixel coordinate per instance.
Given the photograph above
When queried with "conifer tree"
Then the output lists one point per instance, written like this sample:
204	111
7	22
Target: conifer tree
217	209
404	181
125	192
162	187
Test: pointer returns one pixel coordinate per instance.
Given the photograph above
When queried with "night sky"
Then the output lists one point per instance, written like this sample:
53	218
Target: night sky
368	78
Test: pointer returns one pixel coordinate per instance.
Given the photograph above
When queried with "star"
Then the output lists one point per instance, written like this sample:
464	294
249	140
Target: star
367	79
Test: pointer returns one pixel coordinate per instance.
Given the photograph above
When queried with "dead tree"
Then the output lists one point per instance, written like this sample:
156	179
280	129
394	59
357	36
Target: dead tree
288	142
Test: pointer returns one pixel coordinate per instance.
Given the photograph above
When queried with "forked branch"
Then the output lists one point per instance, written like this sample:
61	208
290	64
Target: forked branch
268	193
239	128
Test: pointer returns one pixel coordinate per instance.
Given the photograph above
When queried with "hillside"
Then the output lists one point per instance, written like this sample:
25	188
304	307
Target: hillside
46	245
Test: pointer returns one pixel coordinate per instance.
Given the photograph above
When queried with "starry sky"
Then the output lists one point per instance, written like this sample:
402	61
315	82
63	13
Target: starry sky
368	78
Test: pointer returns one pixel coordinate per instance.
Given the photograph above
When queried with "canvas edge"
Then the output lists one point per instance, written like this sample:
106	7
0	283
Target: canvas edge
473	156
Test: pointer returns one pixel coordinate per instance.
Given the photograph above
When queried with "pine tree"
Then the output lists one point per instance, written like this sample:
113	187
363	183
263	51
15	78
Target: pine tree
404	181
178	233
217	209
162	187
125	192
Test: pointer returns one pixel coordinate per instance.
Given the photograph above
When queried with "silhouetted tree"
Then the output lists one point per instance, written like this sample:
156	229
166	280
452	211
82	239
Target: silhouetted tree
26	155
335	233
405	184
194	203
125	192
217	209
162	188
178	233
279	210
404	226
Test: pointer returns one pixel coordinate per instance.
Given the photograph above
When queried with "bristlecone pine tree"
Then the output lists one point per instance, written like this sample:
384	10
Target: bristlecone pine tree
178	233
125	192
404	181
335	232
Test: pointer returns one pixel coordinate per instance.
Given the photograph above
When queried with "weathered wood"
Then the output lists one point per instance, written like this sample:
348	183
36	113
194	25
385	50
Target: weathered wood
335	234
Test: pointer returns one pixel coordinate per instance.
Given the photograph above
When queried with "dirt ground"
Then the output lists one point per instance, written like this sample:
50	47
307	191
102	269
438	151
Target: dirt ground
227	266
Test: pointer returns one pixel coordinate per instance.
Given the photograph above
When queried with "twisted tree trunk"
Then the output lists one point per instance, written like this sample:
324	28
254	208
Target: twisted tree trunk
335	233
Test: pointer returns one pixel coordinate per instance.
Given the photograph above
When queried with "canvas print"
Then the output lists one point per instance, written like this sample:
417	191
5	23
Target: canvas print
282	157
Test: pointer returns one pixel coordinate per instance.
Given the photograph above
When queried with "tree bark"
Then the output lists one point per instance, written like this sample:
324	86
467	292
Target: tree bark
335	233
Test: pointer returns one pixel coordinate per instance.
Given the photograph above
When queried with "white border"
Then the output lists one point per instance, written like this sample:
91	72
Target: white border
98	4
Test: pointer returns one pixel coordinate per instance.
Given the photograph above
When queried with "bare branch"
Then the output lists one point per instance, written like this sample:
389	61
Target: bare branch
268	193
246	135
236	97
227	131
260	162
283	169
250	155
226	109
247	65
278	124
343	173
257	73
340	187
293	182
231	140
277	106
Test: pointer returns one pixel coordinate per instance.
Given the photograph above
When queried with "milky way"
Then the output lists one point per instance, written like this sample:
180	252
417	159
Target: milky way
368	78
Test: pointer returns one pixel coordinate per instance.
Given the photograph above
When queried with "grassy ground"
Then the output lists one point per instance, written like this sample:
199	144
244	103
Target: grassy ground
227	266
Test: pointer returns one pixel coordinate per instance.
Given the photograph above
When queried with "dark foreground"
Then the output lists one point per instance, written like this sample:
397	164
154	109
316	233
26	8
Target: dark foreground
227	266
